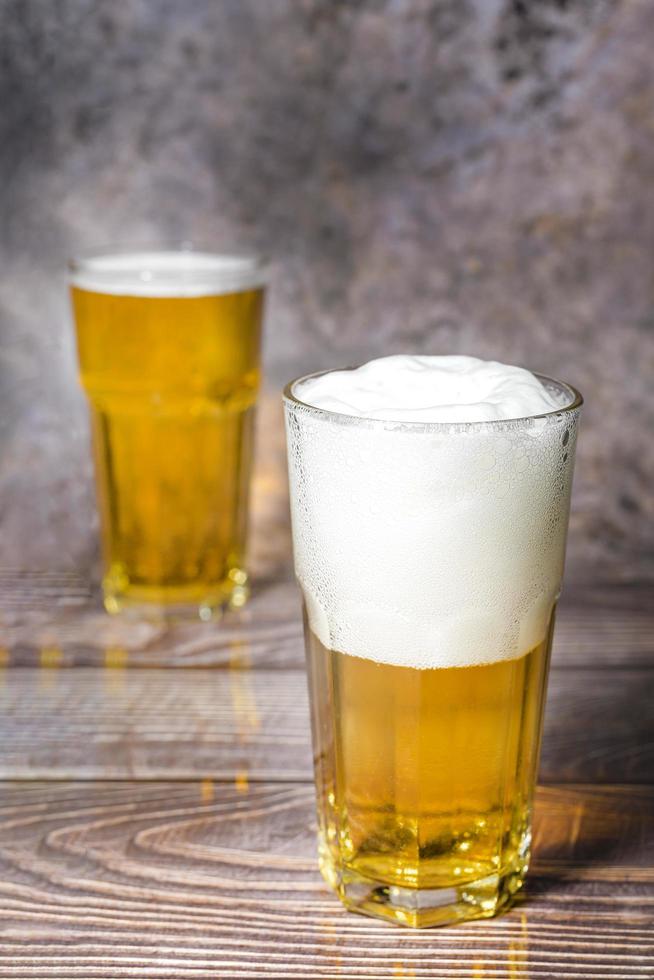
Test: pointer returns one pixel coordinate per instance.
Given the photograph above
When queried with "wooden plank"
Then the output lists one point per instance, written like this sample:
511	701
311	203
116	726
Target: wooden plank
117	723
604	627
267	632
163	724
208	879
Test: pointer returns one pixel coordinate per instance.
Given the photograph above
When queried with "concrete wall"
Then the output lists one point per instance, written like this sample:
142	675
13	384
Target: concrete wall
430	175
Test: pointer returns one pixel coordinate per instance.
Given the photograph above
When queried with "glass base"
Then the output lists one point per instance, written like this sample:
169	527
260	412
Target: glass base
172	602
420	908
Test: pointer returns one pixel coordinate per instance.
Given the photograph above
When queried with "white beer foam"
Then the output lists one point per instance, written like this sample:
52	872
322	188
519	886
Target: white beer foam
430	389
425	546
167	274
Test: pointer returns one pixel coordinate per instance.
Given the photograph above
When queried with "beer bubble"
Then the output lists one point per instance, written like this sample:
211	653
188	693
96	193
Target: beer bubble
166	273
433	543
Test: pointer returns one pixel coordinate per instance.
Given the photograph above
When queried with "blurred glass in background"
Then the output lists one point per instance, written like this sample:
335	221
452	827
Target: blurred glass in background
169	354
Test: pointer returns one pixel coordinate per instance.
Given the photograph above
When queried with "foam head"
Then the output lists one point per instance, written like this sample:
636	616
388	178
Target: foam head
422	542
167	273
431	389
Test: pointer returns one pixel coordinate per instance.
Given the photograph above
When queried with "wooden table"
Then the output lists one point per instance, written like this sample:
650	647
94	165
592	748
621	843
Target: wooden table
157	811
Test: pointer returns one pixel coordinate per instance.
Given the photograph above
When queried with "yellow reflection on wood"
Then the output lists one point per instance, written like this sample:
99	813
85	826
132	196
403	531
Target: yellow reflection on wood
518	961
242	782
207	790
239	655
50	657
331	936
116	658
5	656
244	702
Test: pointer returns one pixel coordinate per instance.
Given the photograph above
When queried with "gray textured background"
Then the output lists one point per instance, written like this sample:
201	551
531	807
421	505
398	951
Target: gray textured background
442	176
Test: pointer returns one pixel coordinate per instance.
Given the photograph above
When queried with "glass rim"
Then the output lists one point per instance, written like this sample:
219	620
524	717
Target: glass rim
291	399
243	267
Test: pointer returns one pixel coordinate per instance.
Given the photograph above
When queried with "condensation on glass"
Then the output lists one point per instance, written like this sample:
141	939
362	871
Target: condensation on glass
430	559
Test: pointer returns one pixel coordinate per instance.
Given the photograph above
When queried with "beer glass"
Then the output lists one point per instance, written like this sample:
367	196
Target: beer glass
430	557
169	354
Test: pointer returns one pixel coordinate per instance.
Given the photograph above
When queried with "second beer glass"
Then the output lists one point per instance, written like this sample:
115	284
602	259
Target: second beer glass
169	348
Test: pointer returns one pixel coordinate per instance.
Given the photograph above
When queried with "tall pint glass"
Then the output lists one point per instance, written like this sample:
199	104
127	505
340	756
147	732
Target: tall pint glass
430	558
168	347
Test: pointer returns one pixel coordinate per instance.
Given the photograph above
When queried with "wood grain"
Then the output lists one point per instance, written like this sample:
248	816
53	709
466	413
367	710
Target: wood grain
163	724
220	880
172	834
267	632
598	627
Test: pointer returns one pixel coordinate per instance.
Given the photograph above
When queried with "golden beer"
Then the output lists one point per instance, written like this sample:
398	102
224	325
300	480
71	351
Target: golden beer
429	551
169	359
424	778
